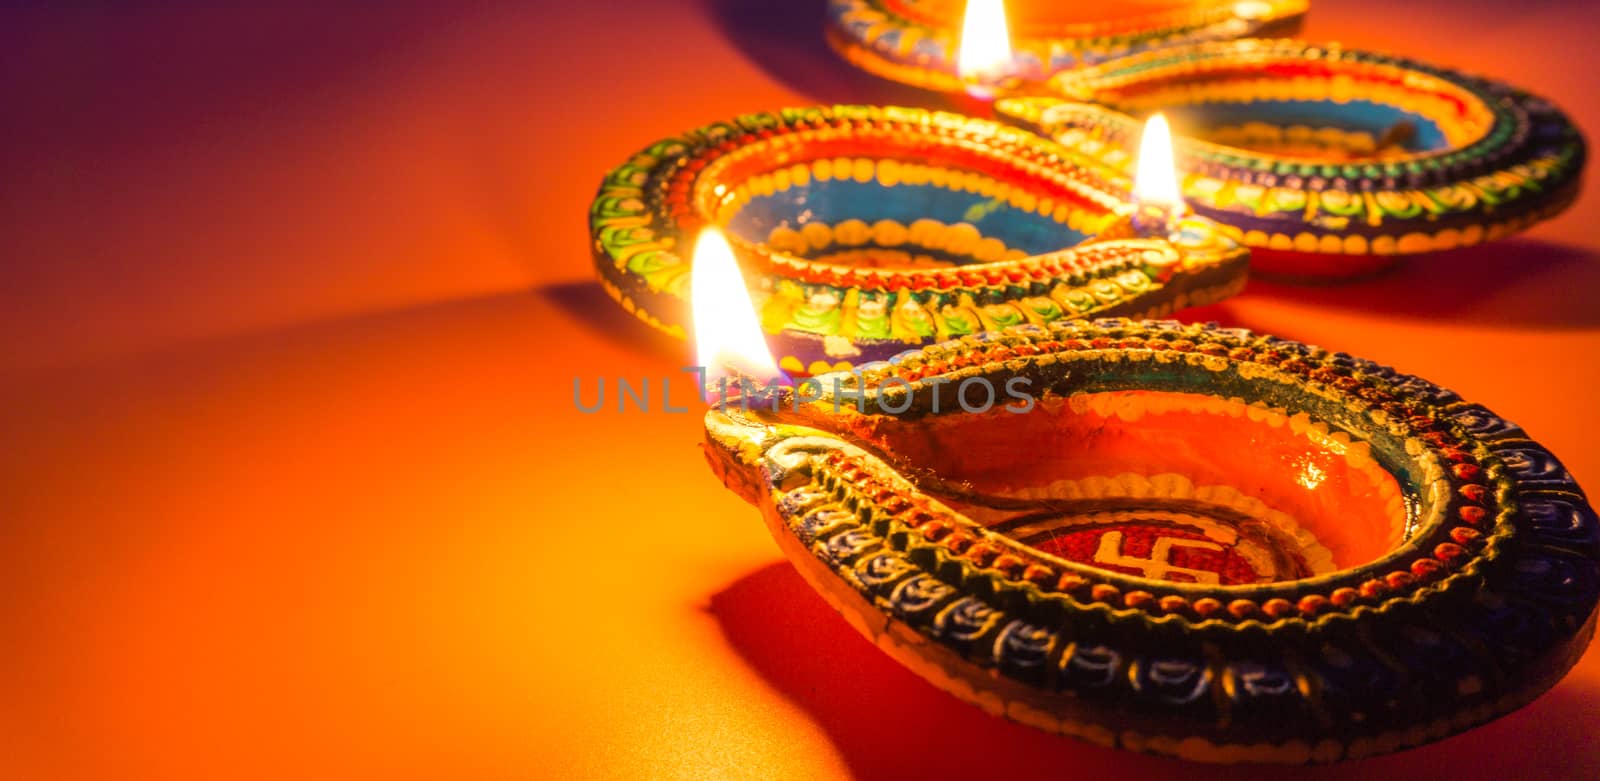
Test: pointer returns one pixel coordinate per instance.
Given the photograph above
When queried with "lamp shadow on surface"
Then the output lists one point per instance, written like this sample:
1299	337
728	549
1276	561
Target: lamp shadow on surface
590	308
786	40
1517	283
888	723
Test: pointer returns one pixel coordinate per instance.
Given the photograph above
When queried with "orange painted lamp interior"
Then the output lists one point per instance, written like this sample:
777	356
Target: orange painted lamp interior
1264	496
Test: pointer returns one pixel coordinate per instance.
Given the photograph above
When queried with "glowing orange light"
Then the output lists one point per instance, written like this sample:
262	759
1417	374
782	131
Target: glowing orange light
1155	183
985	53
727	335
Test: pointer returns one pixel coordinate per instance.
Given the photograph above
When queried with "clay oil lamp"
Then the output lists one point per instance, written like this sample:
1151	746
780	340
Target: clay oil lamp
919	42
866	231
1332	162
1184	540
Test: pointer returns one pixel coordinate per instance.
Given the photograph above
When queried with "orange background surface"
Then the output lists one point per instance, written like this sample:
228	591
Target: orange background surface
292	485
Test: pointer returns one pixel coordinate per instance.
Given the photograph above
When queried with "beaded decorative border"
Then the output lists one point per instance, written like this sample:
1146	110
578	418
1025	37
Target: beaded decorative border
1518	163
648	209
900	41
1487	603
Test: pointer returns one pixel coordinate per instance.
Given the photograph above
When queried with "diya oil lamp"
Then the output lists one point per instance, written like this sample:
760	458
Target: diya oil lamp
1192	541
1331	161
919	42
864	231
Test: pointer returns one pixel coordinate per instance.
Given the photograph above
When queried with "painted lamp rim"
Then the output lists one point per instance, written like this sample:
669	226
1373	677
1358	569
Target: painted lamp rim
1513	160
1486	602
648	209
898	41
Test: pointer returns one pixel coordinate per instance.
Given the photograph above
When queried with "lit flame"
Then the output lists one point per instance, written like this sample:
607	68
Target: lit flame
985	52
727	335
1156	181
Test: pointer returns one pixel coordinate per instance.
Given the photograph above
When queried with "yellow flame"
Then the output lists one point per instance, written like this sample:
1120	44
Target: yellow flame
985	51
1156	181
727	334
